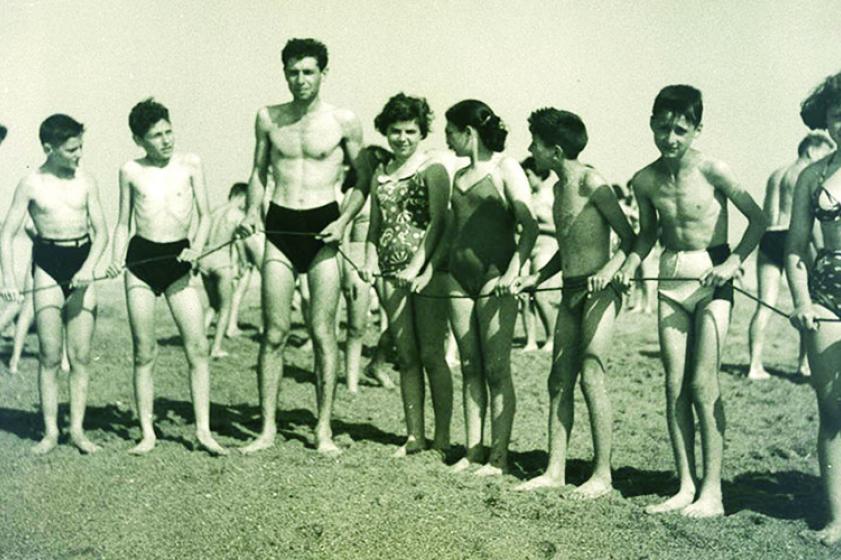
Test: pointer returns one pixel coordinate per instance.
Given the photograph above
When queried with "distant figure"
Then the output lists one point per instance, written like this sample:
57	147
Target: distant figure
817	290
541	305
63	202
219	268
157	194
779	193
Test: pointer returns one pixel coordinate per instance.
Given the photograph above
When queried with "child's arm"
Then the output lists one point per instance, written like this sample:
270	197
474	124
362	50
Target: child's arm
771	203
202	210
99	227
370	264
14	219
518	193
723	179
121	230
647	236
796	253
604	199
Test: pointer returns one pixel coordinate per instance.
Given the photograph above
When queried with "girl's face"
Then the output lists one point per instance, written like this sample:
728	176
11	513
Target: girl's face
833	121
457	140
403	138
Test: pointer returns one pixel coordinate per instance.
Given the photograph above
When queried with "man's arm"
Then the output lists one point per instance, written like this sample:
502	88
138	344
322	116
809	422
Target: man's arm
771	203
351	144
121	230
259	175
14	219
99	227
202	204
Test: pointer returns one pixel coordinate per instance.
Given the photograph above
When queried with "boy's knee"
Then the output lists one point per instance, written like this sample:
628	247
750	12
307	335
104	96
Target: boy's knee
196	350
355	330
592	374
144	354
275	336
323	330
49	357
497	375
79	356
704	392
433	360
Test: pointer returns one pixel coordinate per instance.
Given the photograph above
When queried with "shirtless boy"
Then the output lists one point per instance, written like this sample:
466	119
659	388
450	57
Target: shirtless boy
687	192
157	194
219	268
63	202
585	211
303	143
779	193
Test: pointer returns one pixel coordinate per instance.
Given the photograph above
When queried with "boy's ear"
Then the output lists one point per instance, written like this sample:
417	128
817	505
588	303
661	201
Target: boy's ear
137	139
48	148
699	128
557	153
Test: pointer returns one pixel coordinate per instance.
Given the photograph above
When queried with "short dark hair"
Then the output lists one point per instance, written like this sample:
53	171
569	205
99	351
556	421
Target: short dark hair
559	128
681	100
813	140
3	132
300	48
402	107
531	165
813	109
369	158
57	129
475	113
238	189
145	115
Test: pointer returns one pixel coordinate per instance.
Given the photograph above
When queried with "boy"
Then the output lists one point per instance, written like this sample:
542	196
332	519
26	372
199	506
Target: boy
685	193
157	193
63	202
585	212
219	268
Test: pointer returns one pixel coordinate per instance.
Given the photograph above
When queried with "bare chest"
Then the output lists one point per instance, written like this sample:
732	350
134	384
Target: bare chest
689	198
52	195
312	138
163	187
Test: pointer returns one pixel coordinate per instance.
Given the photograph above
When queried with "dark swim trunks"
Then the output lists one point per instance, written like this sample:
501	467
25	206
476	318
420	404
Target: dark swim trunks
301	250
773	245
61	258
155	263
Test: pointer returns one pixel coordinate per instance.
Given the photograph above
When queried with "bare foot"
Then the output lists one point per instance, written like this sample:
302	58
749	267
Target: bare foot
13	367
328	448
804	370
83	444
264	441
65	364
830	534
538	482
145	446
704	507
594	488
411	447
678	501
233	333
218	353
758	374
376	373
462	465
547	347
530	347
490	470
210	445
46	444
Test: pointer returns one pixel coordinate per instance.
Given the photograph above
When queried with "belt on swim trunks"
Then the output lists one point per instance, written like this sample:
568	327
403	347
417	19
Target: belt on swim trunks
71	242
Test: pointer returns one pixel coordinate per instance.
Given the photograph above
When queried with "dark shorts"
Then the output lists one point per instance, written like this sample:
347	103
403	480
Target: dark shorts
155	263
773	246
61	258
718	255
299	245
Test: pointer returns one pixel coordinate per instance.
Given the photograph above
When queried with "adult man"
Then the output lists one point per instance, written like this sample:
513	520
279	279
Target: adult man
769	265
303	143
63	202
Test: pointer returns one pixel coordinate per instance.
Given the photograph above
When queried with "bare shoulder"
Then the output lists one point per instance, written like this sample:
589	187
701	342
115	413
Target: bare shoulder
28	182
192	161
509	167
346	118
87	178
645	180
593	180
714	169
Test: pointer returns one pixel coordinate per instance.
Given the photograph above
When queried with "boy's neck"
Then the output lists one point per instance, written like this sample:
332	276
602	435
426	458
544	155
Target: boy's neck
158	162
61	172
674	165
566	168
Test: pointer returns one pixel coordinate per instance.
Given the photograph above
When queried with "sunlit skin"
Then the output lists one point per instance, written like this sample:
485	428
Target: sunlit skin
822	339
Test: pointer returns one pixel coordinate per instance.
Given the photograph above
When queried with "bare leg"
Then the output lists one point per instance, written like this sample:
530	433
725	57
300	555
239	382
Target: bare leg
80	318
825	356
224	287
185	305
48	323
140	301
324	286
431	318
768	282
357	297
597	327
474	390
676	340
22	326
240	288
712	321
527	313
496	316
278	285
566	362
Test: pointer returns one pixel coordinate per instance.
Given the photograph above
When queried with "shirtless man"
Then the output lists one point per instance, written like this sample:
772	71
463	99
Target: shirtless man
542	304
687	193
157	194
219	268
769	265
303	143
585	211
63	202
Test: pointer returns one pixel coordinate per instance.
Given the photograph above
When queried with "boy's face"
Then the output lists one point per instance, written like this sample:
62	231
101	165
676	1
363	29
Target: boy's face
159	141
673	133
67	155
303	76
544	154
833	122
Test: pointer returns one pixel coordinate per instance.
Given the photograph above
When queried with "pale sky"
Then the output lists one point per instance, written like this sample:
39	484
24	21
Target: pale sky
214	63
